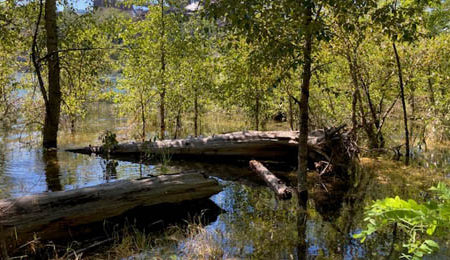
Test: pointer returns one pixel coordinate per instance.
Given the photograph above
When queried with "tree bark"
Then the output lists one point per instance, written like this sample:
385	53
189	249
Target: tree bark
303	136
163	70
177	124
53	107
402	96
278	186
356	97
196	113
257	110
430	87
291	114
143	117
53	215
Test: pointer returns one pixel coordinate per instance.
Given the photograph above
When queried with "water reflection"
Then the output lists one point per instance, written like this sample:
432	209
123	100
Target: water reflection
255	224
52	174
110	169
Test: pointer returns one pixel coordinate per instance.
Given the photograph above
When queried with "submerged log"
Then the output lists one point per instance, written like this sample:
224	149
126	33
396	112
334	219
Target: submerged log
263	145
278	186
52	215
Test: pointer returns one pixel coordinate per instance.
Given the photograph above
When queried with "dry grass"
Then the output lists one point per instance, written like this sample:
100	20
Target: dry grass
392	178
193	241
389	171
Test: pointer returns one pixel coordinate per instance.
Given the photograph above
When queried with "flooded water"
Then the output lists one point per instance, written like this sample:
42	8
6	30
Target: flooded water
253	224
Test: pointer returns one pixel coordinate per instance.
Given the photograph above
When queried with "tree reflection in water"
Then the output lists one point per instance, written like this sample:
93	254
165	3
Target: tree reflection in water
52	171
257	225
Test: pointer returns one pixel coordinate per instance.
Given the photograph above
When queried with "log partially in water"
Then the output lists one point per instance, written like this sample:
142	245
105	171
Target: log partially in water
52	215
265	145
237	145
278	186
330	145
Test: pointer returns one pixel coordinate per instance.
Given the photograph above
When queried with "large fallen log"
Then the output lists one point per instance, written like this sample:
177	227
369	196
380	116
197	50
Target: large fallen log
269	145
278	186
53	215
242	145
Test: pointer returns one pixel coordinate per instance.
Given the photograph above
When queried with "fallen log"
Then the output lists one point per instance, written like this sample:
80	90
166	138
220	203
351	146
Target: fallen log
53	215
241	145
261	145
278	186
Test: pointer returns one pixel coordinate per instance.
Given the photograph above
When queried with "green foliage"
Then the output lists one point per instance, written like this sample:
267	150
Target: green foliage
419	221
109	141
84	68
14	26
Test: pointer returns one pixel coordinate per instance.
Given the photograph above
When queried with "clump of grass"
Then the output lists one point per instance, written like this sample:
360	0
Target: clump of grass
191	241
202	243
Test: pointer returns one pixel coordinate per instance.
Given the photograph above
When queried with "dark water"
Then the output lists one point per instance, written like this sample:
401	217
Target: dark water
253	225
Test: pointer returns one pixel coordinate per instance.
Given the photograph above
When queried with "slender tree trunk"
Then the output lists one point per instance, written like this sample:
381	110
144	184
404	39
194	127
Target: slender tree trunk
412	131
177	124
378	137
257	111
430	87
303	138
402	96
143	117
35	56
372	136
291	114
196	112
163	70
354	94
72	125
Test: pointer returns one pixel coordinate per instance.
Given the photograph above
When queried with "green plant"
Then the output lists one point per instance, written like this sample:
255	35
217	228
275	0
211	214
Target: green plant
109	141
419	221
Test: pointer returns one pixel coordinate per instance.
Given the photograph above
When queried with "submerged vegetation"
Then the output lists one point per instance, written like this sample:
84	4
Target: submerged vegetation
153	70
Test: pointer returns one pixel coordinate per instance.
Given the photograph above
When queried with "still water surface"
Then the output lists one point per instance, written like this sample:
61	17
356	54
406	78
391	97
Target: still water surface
253	225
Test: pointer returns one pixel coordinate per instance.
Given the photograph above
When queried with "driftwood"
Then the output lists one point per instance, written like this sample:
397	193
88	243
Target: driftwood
53	215
269	145
278	186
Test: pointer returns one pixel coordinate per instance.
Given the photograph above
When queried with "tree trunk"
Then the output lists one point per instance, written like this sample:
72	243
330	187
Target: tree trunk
430	87
53	109
378	137
143	117
303	137
402	96
278	186
368	128
55	215
291	114
257	111
163	70
177	124
72	124
196	113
